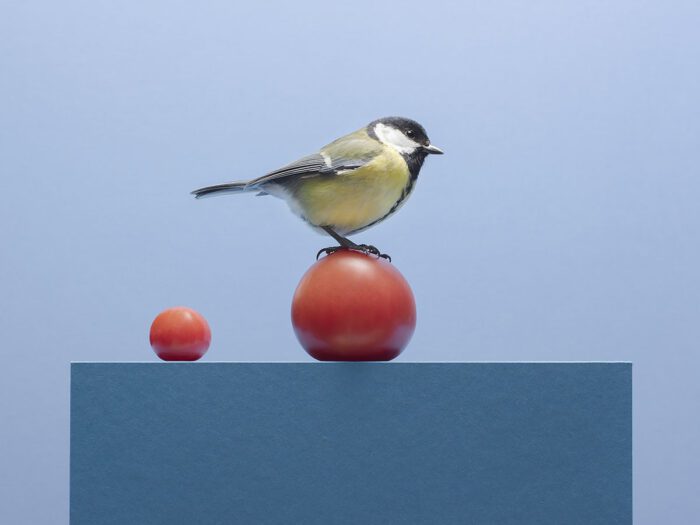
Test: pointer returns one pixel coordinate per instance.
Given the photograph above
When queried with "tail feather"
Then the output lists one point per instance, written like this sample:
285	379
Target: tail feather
229	187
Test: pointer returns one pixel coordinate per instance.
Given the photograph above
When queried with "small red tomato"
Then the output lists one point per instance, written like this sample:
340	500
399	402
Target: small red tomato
180	334
353	307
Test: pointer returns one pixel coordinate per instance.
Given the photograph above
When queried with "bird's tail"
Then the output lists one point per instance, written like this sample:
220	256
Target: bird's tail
221	189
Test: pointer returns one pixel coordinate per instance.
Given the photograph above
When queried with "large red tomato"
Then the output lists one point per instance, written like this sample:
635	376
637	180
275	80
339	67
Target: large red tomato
180	334
353	307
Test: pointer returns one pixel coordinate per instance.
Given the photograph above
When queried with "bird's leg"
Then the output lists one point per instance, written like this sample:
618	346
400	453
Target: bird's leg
344	242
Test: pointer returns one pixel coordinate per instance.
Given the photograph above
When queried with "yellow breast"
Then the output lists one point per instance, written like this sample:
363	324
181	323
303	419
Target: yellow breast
351	201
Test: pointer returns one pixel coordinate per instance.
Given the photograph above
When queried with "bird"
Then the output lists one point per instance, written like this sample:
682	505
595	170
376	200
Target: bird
349	185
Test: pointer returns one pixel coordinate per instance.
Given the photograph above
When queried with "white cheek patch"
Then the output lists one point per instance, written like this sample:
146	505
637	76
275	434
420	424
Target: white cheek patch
395	138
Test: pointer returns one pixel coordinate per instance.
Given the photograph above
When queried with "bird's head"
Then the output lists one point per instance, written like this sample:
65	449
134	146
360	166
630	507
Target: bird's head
404	135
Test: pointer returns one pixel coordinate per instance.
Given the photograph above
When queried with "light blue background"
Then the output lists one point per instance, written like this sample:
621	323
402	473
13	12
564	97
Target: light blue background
562	223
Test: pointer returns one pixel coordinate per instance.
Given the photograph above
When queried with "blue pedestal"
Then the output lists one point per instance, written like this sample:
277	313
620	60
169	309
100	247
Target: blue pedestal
351	443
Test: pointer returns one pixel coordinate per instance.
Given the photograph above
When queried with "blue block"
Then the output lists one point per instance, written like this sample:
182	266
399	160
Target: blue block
351	443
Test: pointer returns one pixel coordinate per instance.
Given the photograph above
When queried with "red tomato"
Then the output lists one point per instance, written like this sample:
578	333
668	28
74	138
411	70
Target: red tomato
353	307
180	334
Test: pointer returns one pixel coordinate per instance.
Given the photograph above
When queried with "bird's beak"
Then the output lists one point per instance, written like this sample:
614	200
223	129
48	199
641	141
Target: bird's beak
432	149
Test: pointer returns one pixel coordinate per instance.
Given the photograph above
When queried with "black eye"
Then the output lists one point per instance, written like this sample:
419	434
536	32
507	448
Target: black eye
410	133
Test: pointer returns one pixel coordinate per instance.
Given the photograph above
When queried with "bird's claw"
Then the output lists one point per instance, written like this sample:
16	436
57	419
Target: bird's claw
368	248
364	248
328	251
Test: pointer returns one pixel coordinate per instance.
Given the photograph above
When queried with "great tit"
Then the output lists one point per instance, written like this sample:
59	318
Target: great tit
353	183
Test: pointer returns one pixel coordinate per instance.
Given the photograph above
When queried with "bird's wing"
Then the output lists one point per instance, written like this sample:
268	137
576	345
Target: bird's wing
341	156
311	166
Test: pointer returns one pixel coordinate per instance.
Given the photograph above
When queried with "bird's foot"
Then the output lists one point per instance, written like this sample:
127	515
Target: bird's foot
329	250
364	248
373	250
